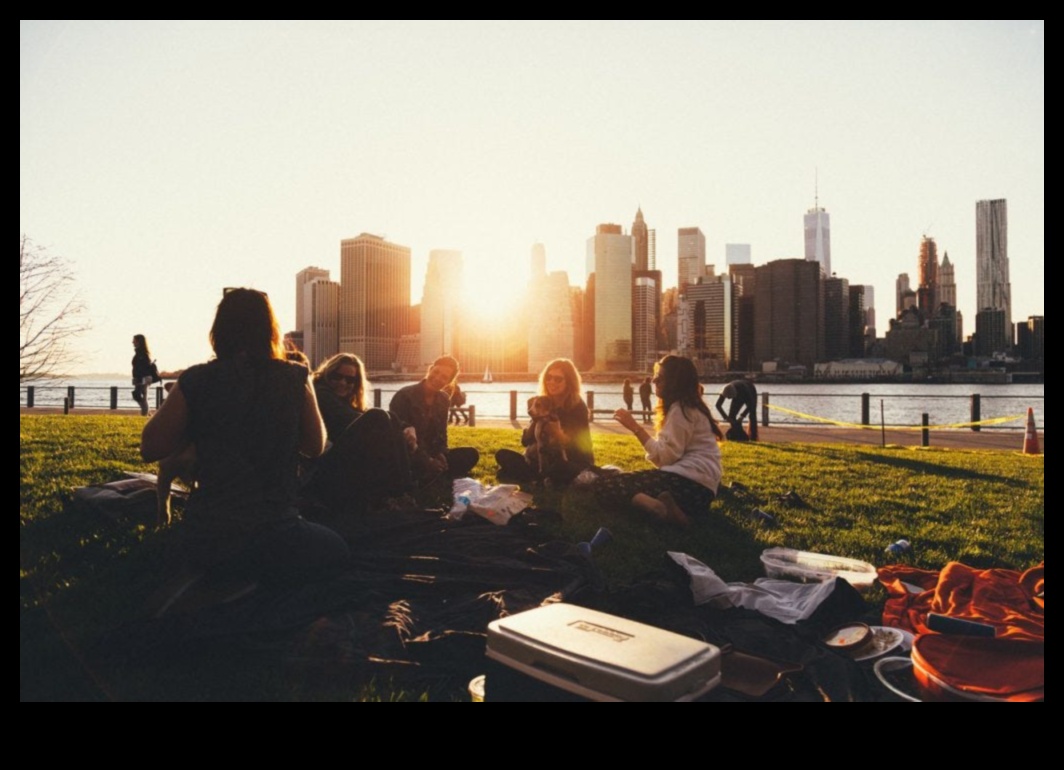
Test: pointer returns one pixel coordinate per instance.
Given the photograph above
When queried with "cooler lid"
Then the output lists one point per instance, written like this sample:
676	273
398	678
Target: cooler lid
605	653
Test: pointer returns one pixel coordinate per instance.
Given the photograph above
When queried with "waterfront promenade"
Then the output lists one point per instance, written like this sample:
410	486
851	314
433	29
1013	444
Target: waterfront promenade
988	440
998	440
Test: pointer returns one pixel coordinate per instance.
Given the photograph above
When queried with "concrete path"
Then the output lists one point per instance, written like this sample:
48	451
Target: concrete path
999	440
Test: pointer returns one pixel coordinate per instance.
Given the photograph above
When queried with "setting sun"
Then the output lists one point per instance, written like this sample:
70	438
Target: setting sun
493	297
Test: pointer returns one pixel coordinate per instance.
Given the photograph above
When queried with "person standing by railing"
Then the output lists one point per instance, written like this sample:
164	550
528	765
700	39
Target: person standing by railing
144	372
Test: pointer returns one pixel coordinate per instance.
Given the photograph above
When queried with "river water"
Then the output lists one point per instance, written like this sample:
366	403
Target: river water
899	404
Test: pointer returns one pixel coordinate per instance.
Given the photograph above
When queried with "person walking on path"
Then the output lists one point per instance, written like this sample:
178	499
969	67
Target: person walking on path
143	372
645	390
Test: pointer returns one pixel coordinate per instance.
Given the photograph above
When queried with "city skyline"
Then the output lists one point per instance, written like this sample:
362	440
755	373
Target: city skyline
169	160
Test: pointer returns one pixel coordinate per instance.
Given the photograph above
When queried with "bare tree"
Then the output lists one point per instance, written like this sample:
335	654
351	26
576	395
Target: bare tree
51	313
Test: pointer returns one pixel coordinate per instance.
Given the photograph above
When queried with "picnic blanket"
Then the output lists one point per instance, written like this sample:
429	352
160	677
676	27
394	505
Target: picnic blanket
415	602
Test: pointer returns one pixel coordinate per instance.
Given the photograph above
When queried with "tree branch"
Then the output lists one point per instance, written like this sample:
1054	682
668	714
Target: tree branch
51	312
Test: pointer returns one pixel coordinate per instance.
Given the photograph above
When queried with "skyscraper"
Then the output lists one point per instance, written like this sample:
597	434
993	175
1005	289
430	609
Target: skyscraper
440	301
818	238
539	261
947	283
789	313
837	327
992	332
708	324
905	297
646	317
993	290
870	311
690	255
858	313
374	298
609	257
552	334
927	293
321	315
303	277
640	242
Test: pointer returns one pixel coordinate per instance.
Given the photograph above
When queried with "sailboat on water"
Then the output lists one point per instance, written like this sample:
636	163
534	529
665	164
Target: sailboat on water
487	375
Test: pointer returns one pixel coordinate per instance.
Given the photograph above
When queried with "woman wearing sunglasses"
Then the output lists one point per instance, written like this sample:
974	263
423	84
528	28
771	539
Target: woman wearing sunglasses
367	460
560	382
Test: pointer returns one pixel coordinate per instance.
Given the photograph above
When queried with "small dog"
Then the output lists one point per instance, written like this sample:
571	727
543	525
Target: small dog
549	447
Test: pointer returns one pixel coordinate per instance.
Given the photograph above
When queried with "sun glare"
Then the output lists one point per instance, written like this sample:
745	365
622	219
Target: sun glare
492	297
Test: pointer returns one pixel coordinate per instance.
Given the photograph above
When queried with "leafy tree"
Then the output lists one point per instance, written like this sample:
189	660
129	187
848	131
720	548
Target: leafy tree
51	312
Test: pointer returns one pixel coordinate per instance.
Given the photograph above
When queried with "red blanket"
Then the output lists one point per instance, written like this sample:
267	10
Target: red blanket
1010	666
1008	600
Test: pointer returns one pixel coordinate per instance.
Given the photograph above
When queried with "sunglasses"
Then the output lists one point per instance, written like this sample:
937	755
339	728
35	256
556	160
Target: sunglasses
554	378
353	381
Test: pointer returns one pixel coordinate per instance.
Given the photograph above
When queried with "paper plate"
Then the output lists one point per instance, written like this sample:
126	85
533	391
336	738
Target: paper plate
884	640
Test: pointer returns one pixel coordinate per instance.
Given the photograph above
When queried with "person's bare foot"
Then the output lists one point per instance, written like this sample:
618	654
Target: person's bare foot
663	508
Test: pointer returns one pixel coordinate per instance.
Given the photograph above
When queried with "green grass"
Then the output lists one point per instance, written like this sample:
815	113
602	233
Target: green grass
80	575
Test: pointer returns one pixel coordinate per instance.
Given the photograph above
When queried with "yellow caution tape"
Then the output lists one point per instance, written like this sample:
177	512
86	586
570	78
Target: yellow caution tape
859	426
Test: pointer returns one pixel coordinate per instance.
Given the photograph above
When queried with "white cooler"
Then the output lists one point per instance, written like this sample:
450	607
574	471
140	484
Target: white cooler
562	652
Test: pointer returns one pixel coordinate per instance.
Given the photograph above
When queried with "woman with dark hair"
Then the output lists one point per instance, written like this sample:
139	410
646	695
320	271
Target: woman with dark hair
685	451
250	414
367	459
422	408
143	371
559	382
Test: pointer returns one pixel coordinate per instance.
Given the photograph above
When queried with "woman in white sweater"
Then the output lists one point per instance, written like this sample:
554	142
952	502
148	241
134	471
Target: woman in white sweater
685	450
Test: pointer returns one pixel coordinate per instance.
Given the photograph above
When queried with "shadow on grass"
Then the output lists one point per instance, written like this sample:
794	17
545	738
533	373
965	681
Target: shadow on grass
883	457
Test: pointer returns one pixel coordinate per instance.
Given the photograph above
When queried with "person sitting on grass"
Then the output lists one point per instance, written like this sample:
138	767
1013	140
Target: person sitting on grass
423	408
685	451
559	382
250	414
367	458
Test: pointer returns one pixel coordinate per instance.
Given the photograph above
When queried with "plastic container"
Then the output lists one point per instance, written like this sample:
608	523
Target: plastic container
809	567
476	689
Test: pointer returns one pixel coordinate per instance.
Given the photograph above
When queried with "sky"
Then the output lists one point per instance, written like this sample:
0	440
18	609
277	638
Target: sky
167	160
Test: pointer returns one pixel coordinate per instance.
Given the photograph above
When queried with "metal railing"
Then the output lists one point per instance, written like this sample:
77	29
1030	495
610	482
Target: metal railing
773	409
91	397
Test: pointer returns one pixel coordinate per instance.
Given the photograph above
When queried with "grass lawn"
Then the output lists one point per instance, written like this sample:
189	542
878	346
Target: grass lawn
80	574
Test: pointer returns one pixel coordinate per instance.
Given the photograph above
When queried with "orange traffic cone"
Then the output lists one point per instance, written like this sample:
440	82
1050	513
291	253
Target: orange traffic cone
1030	441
